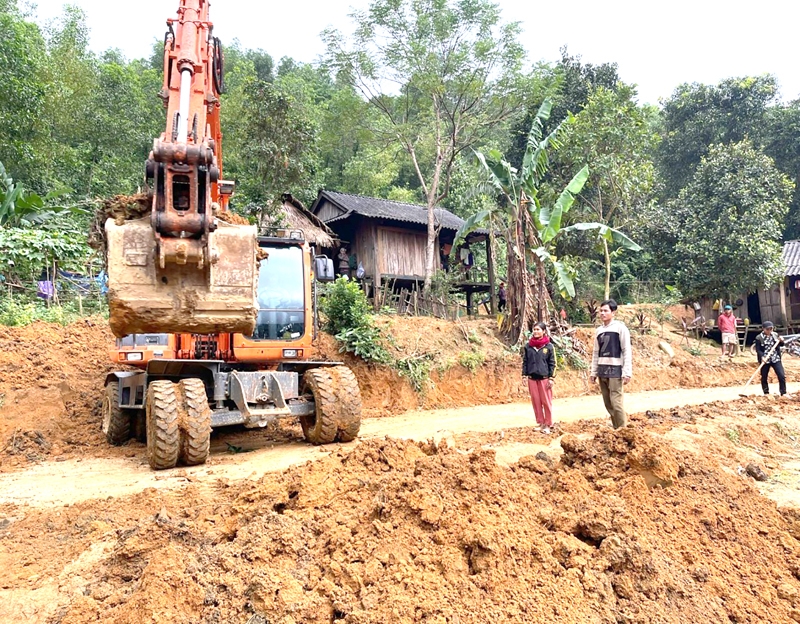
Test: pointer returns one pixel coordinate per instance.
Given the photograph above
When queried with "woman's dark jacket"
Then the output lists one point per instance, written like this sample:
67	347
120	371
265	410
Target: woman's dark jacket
539	363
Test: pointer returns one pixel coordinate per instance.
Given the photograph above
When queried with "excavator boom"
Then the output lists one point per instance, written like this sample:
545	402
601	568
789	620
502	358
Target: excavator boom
185	268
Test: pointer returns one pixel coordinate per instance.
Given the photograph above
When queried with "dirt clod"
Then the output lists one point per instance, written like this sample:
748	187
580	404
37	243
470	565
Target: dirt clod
756	472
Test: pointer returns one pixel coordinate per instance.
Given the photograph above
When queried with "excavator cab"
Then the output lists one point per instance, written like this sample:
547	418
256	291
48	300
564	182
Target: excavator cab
187	267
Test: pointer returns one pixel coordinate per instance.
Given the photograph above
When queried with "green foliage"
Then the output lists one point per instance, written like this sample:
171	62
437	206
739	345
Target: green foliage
613	135
724	229
567	355
345	306
19	310
417	369
471	360
474	338
25	252
349	320
366	342
569	85
274	126
694	349
457	69
698	116
733	435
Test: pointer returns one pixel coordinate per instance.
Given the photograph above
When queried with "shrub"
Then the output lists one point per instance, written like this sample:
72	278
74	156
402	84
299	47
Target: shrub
471	360
345	306
349	319
366	342
417	369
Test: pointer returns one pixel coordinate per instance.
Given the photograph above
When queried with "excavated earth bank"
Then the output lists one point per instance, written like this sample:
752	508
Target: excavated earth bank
623	528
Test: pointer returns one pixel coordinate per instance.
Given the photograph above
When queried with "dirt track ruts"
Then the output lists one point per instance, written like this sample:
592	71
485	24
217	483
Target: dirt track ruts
65	482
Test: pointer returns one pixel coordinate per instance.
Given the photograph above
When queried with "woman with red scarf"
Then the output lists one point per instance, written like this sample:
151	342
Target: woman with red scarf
539	366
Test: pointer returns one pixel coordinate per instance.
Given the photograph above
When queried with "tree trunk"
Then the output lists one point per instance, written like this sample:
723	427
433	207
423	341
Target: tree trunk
607	255
490	265
430	247
527	294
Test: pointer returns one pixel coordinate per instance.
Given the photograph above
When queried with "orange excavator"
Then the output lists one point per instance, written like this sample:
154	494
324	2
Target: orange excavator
216	321
184	268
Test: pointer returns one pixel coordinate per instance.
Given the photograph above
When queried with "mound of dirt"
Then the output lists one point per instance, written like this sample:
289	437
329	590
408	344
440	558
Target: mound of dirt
625	528
53	377
50	388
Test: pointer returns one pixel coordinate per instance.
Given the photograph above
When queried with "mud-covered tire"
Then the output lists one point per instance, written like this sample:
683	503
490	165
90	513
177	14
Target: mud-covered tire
349	395
163	434
116	421
195	425
322	426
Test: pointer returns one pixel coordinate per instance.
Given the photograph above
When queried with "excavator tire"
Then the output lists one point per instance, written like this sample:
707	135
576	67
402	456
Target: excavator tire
322	426
163	434
195	423
349	396
116	421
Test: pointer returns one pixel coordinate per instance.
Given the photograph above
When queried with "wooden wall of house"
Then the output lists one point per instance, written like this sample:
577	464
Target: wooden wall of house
710	314
401	252
385	250
328	211
792	285
364	242
773	305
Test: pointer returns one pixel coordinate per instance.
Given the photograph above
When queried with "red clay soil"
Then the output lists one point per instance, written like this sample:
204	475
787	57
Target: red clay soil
52	379
623	528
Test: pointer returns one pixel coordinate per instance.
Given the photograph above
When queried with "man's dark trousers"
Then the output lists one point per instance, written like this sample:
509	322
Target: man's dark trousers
778	367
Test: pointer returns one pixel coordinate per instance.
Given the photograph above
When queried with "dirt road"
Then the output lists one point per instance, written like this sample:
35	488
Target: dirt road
66	482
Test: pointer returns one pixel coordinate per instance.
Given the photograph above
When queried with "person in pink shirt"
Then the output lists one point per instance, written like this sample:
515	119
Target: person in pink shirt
727	326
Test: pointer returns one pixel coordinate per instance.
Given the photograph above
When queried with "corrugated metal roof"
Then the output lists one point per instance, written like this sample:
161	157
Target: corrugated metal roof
387	209
791	257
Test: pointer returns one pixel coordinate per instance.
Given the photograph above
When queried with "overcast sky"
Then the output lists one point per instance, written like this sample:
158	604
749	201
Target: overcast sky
657	45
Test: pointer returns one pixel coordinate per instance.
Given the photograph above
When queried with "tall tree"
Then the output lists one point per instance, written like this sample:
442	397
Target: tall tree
783	145
568	85
441	73
698	116
23	59
612	133
723	231
271	131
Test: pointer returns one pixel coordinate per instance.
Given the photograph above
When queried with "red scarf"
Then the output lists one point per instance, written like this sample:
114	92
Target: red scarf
538	343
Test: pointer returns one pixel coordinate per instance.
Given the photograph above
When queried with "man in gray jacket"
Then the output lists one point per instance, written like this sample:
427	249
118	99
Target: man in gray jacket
612	363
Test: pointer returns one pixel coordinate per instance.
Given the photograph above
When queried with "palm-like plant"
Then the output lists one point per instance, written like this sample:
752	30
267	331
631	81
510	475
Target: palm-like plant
20	207
532	229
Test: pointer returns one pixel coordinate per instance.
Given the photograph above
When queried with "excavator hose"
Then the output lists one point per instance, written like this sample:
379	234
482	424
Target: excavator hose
219	81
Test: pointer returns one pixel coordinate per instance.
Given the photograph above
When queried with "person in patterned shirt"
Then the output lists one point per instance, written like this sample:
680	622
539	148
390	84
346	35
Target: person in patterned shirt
768	349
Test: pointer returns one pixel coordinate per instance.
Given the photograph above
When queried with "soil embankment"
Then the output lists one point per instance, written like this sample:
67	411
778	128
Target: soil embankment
659	522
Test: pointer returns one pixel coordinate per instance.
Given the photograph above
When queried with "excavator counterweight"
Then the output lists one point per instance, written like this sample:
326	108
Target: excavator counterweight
185	269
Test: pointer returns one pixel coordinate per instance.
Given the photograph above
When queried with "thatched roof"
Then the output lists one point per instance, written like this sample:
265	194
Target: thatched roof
297	217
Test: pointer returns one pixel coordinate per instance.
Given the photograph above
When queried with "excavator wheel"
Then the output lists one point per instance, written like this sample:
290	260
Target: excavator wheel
116	421
349	396
322	426
195	423
163	434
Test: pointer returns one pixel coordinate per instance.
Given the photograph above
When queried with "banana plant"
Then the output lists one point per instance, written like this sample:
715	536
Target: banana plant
20	207
533	228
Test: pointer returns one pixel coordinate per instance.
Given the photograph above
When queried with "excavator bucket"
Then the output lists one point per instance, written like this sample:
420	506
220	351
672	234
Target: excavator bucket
180	298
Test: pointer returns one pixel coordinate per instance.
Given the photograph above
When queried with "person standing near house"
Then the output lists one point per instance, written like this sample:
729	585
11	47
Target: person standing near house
768	350
539	367
501	297
727	327
344	262
612	363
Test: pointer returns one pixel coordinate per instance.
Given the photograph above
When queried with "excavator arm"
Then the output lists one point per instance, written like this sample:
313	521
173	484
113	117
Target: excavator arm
186	268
